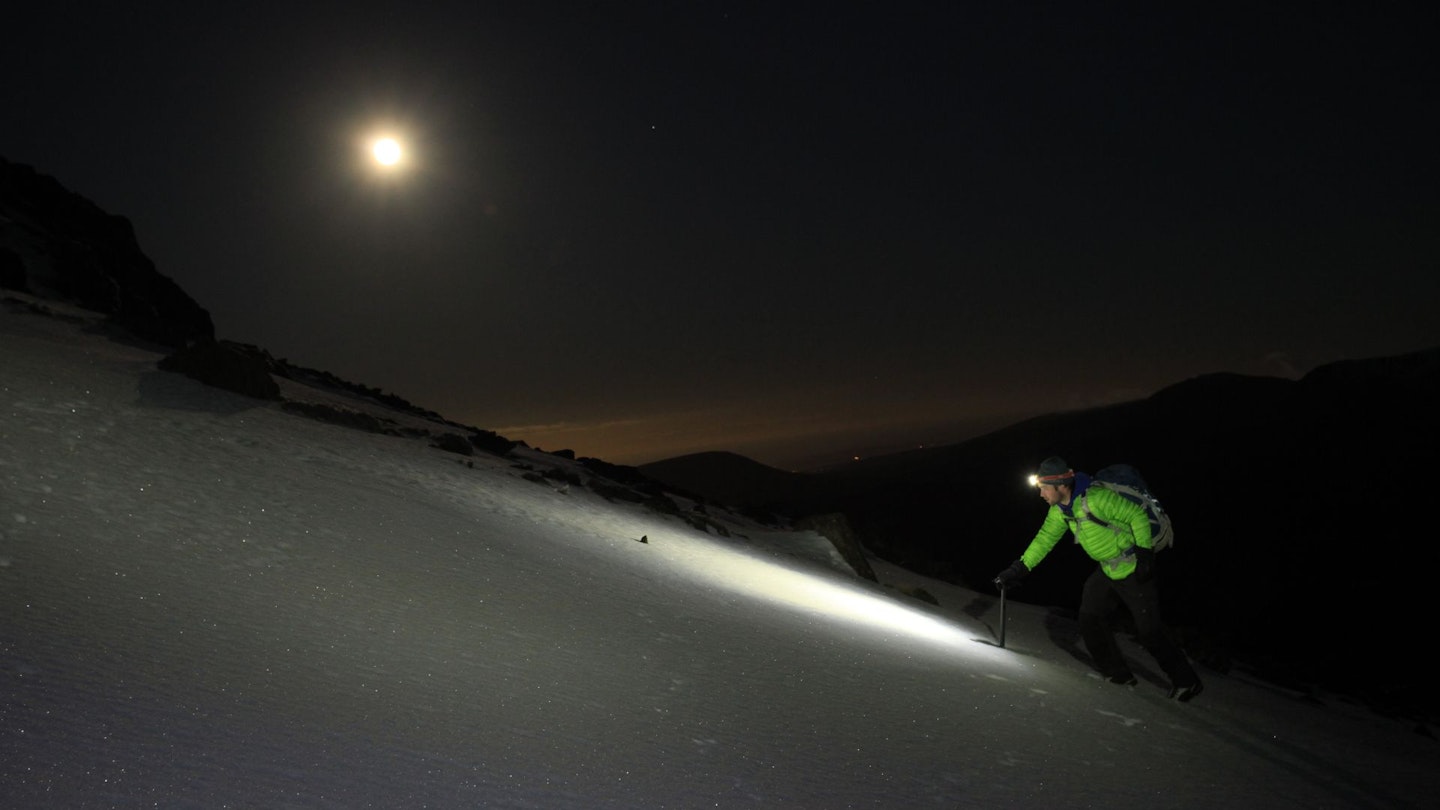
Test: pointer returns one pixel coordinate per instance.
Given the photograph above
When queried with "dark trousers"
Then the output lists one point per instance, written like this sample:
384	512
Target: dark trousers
1098	601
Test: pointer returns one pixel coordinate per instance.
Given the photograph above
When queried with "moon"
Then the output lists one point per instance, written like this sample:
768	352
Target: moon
387	151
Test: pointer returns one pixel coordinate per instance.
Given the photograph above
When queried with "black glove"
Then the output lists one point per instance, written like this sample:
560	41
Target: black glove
1011	576
1144	564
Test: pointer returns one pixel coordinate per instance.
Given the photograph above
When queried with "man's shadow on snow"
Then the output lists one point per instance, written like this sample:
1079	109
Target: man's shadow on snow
1063	628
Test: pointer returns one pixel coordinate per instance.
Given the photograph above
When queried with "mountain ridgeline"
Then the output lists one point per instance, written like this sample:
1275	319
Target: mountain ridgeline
1303	512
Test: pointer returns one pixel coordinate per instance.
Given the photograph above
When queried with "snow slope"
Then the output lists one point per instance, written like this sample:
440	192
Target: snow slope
207	602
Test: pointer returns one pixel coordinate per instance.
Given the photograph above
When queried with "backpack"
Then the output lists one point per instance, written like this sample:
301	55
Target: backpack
1127	482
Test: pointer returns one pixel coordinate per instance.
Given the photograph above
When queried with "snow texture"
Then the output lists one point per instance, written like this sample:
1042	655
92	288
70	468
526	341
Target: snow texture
207	602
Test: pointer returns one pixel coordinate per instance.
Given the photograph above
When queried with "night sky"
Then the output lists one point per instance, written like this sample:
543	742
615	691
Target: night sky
798	231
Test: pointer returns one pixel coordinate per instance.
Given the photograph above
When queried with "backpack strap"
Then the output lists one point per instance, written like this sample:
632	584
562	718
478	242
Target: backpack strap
1162	536
1090	516
1127	551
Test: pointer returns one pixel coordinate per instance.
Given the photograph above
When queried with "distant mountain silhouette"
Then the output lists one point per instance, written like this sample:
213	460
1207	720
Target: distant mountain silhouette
728	478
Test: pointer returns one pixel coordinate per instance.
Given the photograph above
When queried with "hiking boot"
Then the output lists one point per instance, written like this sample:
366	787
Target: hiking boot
1124	680
1186	693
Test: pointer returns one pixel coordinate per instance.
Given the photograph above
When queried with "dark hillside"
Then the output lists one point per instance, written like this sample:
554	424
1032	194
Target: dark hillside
727	478
59	245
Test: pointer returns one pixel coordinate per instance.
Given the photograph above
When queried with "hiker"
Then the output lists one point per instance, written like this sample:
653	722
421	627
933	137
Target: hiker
1115	532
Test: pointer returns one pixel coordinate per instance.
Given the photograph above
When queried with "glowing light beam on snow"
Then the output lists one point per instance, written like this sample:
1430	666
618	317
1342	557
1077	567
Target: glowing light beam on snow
833	598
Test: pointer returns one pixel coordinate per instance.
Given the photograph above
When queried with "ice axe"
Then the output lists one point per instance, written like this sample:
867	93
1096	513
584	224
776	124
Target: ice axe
1002	611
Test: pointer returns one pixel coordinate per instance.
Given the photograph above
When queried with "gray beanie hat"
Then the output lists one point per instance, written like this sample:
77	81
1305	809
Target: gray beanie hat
1054	470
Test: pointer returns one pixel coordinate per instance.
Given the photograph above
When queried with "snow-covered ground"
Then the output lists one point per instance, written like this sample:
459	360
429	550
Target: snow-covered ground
207	602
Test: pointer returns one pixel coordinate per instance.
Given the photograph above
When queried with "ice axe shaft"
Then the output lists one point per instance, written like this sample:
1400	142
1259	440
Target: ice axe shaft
1002	616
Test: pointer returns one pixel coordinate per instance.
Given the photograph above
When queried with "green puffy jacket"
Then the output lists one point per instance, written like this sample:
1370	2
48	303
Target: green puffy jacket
1111	546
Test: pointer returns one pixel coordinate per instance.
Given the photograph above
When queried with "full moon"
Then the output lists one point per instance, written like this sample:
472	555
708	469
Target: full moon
386	151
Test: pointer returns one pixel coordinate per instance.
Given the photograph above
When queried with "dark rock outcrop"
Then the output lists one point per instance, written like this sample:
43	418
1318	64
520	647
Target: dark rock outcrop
224	365
56	244
344	417
837	529
453	443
